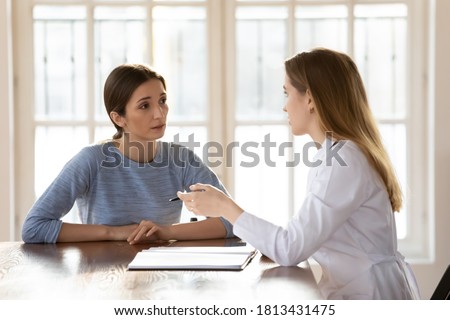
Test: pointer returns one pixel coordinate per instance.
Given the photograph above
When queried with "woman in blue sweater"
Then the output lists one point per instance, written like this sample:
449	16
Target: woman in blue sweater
122	186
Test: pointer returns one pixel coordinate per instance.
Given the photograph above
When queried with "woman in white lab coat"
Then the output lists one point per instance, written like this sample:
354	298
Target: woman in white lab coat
346	222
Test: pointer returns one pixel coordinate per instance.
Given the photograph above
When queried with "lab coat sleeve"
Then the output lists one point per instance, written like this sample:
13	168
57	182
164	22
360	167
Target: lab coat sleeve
335	192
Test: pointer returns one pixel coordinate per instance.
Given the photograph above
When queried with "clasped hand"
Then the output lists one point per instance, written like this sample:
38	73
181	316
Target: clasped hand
146	231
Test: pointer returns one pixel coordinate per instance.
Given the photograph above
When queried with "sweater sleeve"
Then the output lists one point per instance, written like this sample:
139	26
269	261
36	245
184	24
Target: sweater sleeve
334	194
43	222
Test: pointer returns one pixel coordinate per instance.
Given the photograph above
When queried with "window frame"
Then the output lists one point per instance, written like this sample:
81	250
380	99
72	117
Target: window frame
221	54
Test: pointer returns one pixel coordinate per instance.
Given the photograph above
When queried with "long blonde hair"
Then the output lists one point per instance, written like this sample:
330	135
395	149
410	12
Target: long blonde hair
342	107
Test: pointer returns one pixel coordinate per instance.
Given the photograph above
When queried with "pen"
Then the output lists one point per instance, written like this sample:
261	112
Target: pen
177	199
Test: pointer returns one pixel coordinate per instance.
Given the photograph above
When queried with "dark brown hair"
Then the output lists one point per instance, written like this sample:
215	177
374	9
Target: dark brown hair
342	107
120	85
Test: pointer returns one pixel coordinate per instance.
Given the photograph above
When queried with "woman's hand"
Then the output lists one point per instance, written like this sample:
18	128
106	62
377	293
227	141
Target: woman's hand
147	231
207	200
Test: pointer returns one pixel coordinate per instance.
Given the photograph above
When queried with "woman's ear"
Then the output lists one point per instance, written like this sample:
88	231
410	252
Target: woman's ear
309	96
311	104
117	119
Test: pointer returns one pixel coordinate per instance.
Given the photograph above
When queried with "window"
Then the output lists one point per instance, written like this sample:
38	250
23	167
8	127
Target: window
223	62
380	51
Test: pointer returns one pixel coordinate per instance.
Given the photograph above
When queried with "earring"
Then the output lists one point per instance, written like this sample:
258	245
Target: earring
311	110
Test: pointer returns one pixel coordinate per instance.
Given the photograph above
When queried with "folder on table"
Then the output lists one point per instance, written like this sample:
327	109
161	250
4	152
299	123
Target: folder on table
193	258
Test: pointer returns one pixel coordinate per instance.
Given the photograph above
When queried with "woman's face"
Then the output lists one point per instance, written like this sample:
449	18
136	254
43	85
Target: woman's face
298	107
146	112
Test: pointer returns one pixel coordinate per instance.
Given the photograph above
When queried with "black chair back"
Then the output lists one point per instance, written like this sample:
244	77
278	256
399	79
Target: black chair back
442	291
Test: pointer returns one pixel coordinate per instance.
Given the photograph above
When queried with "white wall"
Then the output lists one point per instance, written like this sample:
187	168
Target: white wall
428	275
6	126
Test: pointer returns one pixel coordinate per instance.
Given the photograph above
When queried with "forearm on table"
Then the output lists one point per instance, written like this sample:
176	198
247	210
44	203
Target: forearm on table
90	232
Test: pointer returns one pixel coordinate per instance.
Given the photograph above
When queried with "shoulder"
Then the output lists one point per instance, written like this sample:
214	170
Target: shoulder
344	175
98	150
342	153
349	151
344	160
357	163
92	154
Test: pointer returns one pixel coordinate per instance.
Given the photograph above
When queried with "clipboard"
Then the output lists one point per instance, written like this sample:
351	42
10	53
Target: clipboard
234	258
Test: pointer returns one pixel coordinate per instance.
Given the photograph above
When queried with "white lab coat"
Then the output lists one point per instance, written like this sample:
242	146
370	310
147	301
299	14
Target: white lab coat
346	224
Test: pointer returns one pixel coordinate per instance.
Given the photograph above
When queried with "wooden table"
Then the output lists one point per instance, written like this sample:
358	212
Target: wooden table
98	270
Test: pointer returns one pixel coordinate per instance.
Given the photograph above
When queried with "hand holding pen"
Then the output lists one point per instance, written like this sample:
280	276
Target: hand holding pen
207	200
177	198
